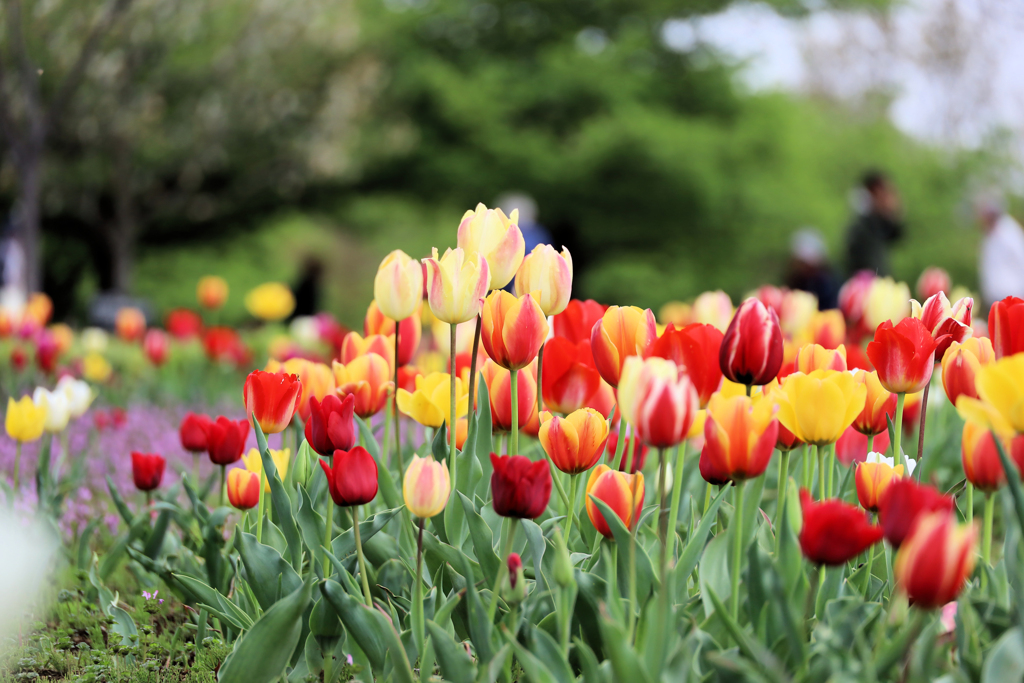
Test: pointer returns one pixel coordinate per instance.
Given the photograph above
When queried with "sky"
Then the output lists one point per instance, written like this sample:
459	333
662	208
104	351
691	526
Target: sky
954	69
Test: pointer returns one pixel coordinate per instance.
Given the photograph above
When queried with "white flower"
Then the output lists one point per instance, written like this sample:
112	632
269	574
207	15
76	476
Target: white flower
909	463
305	330
94	339
78	393
56	404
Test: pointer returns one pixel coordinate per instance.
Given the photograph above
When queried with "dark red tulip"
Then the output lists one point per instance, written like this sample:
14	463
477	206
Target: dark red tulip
19	359
751	351
903	355
576	322
351	477
639	457
520	488
903	502
570	377
1006	326
330	426
193	432
147	470
696	348
835	532
225	440
47	352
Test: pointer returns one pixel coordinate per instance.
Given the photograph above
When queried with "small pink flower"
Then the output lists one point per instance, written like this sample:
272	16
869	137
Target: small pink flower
948	617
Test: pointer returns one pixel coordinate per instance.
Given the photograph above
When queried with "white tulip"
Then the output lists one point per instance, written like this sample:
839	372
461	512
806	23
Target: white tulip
56	404
909	463
78	393
94	339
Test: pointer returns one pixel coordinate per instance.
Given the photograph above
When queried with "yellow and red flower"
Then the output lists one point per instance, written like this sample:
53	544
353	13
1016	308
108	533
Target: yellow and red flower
696	347
574	443
623	331
879	405
368	379
739	437
872	479
548	273
813	357
961	364
616	489
935	560
512	330
752	350
657	397
456	284
496	237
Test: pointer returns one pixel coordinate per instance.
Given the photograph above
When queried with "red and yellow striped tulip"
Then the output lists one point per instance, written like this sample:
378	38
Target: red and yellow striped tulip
410	332
623	331
316	378
960	366
499	390
574	443
935	560
368	379
355	345
657	397
243	489
813	357
879	405
739	437
616	490
512	330
872	479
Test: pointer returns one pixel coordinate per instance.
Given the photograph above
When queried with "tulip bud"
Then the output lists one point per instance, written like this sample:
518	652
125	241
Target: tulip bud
886	301
873	478
225	440
426	487
695	347
243	489
513	590
550	274
960	367
751	351
813	357
270	302
564	574
903	502
616	489
272	398
834	532
497	238
456	284
903	355
982	465
512	330
658	399
622	332
147	470
301	465
212	292
351	477
499	391
576	442
739	437
936	560
398	285
933	281
1000	387
130	324
368	379
879	405
520	488
155	345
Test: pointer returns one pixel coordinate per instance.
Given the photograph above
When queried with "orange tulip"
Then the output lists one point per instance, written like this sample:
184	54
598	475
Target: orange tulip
960	365
982	465
499	389
878	404
367	378
623	331
212	292
355	345
574	443
243	488
872	479
512	329
130	324
616	490
739	437
410	332
813	357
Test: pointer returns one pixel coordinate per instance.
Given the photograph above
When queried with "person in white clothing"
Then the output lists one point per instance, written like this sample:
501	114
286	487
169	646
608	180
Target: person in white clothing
1001	261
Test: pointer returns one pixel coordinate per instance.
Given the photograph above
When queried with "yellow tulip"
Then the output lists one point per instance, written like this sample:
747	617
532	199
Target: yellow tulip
547	275
25	419
271	301
886	300
430	403
819	407
497	238
254	463
398	285
1001	393
456	285
96	368
426	487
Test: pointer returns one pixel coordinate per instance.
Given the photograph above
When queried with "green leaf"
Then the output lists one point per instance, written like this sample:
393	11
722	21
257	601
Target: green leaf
548	652
455	663
1005	661
279	496
625	665
210	598
156	537
645	580
1013	480
385	482
535	541
481	629
83	544
311	523
695	544
122	507
483	541
714	572
536	671
345	544
449	554
261	655
270	576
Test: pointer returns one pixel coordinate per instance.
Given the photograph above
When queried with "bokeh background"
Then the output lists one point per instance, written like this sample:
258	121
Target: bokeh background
672	146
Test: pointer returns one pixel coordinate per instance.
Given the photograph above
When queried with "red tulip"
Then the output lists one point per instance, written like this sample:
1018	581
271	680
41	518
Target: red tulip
225	440
272	397
243	488
903	355
657	397
223	345
499	390
835	532
936	561
570	377
331	426
852	297
183	323
852	446
623	331
1006	326
946	323
903	502
932	281
18	358
155	344
410	332
616	490
512	330
147	470
695	347
520	488
751	351
981	462
352	477
576	322
639	457
47	352
739	437
193	432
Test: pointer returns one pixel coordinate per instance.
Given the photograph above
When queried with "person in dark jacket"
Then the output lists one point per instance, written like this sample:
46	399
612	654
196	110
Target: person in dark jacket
878	225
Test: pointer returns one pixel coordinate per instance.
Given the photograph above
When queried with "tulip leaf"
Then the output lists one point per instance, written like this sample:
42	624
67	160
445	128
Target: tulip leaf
625	665
1012	479
122	507
455	663
535	542
548	653
263	652
536	670
645	579
714	572
385	482
1005	661
265	569
481	629
155	542
482	429
279	496
497	664
345	544
311	523
210	598
483	541
695	544
449	554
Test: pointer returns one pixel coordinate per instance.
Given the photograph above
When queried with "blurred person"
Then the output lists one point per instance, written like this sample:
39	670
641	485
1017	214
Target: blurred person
877	225
533	232
1001	257
809	269
307	290
12	269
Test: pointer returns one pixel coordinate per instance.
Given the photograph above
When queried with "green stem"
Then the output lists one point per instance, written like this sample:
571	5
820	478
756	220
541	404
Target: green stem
328	537
783	487
492	609
223	485
662	512
394	407
821	471
806	481
620	445
572	506
831	458
259	513
418	626
631	617
986	539
17	465
920	431
452	460
677	490
969	511
707	498
472	378
897	451
195	469
514	434
737	548
359	554
871	561
540	376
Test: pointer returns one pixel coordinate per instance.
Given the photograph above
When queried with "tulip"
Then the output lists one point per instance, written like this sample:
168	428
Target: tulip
658	399
872	479
622	332
886	301
96	368
272	398
499	390
827	328
570	378
739	437
430	403
497	238
513	329
854	447
410	332
212	292
55	404
982	465
315	379
696	348
933	281
270	302
19	359
796	311
879	405
243	489
426	487
936	560
751	351
549	273
330	426
639	453
520	488
353	346
130	324
78	393
192	432
222	344
623	493
772	296
903	502
818	407
368	379
225	440
947	324
147	470
1006	326
25	419
574	443
960	367
156	346
576	322
513	588
351	477
813	357
713	308
679	314
852	300
903	355
398	285
456	285
834	532
1001	391
183	324
253	462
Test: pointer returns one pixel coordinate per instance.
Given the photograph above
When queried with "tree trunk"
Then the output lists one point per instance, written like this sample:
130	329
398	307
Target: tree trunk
30	188
121	237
